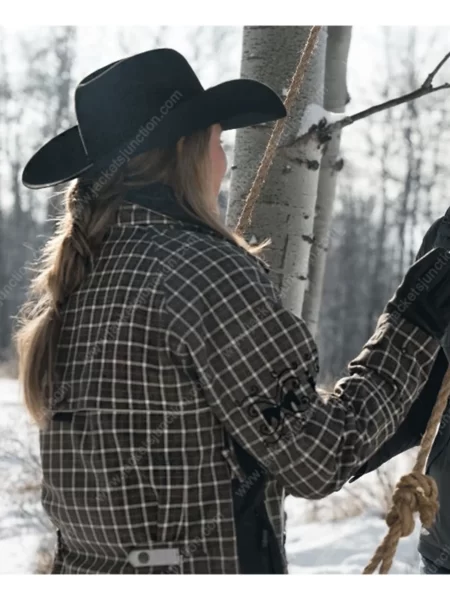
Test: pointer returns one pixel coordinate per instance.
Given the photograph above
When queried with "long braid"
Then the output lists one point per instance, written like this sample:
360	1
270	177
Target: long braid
67	259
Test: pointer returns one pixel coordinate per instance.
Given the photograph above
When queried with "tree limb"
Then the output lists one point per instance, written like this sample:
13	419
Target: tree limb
324	130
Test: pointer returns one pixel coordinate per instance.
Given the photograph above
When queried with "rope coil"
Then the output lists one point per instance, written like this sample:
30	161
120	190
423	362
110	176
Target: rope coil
414	493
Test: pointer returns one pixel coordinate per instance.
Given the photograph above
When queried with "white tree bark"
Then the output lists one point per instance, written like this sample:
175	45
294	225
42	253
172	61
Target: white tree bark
335	98
284	211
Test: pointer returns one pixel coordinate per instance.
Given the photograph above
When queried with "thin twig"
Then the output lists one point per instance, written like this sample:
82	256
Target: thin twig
429	80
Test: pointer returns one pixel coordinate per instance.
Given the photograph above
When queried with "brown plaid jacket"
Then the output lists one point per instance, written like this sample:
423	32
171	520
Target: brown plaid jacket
176	340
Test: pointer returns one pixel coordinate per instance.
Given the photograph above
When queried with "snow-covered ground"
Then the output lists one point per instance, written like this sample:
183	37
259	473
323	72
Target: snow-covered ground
343	547
19	535
339	546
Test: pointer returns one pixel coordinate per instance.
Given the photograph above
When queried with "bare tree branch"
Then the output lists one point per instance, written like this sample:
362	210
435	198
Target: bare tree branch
324	130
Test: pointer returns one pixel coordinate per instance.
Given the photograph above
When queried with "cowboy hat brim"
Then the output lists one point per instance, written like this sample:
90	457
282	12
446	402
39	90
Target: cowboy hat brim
233	104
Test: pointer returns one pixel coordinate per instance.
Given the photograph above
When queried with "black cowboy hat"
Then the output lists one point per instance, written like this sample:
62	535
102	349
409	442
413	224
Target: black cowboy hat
146	101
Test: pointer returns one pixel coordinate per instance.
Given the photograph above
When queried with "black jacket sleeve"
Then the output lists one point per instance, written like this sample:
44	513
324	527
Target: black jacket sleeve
410	432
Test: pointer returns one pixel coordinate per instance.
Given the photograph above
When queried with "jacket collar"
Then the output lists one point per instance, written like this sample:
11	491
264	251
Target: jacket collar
156	204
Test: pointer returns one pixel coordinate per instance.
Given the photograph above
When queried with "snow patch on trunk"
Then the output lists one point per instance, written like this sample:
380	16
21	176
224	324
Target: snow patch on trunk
313	114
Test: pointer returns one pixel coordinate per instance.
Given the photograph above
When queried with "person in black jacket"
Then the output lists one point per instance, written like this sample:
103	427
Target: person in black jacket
434	545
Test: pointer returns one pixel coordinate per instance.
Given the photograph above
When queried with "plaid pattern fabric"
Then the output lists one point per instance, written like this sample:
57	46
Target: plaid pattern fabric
176	337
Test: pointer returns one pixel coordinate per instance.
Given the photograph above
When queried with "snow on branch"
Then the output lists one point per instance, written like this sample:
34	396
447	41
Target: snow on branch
326	126
314	114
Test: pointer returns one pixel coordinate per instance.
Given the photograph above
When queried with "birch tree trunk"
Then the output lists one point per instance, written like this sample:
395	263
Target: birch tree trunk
284	211
335	98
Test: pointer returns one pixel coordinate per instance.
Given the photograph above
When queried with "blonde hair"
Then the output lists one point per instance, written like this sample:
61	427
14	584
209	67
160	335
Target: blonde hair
68	256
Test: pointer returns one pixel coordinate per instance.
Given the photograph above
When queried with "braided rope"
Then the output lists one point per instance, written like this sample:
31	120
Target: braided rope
415	493
272	145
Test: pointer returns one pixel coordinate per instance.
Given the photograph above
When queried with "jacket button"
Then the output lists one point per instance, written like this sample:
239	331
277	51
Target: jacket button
406	348
142	557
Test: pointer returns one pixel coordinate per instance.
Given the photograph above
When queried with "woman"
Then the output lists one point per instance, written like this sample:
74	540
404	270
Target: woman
176	396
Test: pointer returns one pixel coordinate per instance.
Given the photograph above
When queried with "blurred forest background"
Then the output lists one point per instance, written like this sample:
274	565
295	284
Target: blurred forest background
393	184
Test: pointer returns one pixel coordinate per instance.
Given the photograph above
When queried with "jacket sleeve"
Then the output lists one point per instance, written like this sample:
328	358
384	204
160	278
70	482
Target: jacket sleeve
257	364
411	430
